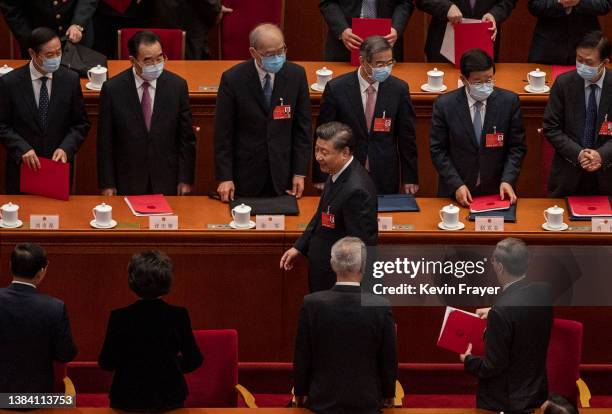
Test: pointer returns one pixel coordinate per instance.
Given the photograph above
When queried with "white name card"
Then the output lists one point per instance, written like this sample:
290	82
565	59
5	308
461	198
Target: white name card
44	222
163	223
489	224
385	223
601	225
269	222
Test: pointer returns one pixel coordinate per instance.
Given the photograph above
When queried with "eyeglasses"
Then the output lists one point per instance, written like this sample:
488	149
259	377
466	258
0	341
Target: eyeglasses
489	83
277	52
154	61
383	64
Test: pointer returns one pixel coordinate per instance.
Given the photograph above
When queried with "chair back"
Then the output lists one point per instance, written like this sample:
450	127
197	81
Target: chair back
172	40
563	359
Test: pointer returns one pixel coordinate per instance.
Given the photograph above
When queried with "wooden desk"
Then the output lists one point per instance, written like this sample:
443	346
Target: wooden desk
203	78
231	278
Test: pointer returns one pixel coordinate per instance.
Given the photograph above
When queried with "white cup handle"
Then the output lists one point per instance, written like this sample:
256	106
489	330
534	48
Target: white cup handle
529	78
233	215
440	214
89	75
93	211
545	216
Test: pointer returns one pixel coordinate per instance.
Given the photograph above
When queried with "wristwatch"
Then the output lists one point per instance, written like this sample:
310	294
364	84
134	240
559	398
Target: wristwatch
79	28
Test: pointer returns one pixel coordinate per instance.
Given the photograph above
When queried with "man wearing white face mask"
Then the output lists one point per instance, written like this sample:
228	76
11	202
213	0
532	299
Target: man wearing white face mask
477	138
377	107
263	141
41	109
577	125
146	142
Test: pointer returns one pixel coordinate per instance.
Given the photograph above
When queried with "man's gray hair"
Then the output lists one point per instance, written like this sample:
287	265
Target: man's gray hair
513	254
348	255
255	34
373	45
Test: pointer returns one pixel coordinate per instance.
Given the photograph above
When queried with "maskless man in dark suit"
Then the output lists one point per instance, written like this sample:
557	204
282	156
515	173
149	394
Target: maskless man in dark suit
378	109
42	113
477	138
339	14
263	138
146	142
70	18
561	25
345	358
577	125
35	327
348	206
445	11
512	373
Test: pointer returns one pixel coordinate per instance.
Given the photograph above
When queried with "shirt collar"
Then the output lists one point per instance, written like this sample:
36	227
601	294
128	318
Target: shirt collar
507	285
262	73
24	283
347	284
364	84
35	74
598	83
140	81
472	101
336	175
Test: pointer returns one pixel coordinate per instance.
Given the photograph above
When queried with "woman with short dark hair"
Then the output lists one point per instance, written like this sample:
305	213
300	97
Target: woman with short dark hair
149	344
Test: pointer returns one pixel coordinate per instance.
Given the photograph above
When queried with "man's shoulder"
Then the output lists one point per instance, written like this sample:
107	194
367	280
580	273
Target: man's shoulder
239	69
569	77
294	69
173	77
67	75
343	80
116	82
15	75
449	98
506	95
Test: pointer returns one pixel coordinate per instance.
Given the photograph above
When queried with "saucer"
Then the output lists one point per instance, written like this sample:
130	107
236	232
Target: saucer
90	86
250	226
459	226
529	89
17	224
562	228
316	87
93	224
425	87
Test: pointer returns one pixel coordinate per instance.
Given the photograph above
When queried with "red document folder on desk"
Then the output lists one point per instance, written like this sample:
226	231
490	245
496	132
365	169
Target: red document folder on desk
148	205
488	203
590	206
461	328
52	180
471	36
365	28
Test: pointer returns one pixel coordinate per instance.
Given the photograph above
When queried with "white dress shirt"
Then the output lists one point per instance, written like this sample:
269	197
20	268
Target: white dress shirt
24	283
471	104
507	285
152	86
336	175
363	87
262	76
37	83
587	91
347	284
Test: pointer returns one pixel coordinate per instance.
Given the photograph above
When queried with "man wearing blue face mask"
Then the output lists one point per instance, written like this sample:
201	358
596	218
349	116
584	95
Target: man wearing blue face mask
377	107
477	138
263	141
146	143
577	125
41	109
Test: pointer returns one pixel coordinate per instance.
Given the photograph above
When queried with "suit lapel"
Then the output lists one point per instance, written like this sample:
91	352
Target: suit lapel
604	102
337	185
381	102
577	96
28	96
354	97
463	112
254	83
132	97
490	114
56	90
160	93
278	90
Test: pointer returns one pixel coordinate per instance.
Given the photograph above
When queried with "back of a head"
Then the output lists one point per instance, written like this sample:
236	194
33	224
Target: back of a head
27	260
557	404
475	60
513	254
338	133
150	274
348	257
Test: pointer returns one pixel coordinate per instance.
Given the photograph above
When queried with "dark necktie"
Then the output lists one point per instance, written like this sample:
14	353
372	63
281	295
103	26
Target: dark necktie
590	121
327	188
472	4
477	122
43	102
145	103
368	8
267	90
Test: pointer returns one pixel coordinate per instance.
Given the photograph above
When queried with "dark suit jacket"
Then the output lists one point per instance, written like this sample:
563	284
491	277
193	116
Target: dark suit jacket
129	155
512	375
438	9
454	149
249	144
35	332
149	345
353	202
387	152
339	16
20	128
556	33
345	357
564	119
25	16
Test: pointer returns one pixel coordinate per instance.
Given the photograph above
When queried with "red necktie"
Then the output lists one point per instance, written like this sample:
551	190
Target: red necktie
145	103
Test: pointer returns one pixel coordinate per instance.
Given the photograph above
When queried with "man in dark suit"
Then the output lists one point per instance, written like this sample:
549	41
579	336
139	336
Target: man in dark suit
339	14
379	111
263	139
345	358
35	327
561	24
70	18
348	206
42	113
576	123
477	138
445	11
512	373
146	142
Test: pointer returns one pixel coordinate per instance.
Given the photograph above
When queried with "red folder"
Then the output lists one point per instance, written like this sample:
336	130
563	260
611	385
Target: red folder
365	28
590	206
472	36
52	180
460	329
119	5
148	205
559	70
488	203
